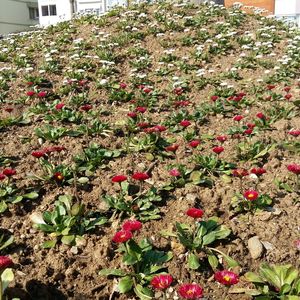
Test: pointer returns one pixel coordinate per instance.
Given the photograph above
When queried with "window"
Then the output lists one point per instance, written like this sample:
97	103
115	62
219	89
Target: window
52	10
33	13
49	10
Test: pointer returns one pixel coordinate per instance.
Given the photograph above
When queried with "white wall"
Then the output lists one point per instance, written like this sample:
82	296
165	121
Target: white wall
14	16
91	5
286	7
63	10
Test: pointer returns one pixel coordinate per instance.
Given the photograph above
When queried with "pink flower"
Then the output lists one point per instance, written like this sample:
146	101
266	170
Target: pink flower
174	172
238	118
185	123
161	282
123	85
288	96
294	168
122	236
214	98
195	212
132	225
119	178
248	131
226	277
2	176
143	124
218	149
160	128
147	90
251	195
190	291
140	176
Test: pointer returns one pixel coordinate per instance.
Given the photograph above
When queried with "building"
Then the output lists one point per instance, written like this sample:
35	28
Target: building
268	5
288	9
53	11
18	15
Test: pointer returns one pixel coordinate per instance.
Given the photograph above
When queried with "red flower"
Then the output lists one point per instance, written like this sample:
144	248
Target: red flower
86	107
174	172
248	131
58	148
2	176
221	138
58	176
240	173
132	114
178	91
195	212
185	123
119	178
226	277
5	262
160	128
190	291
132	225
251	195
143	124
59	106
261	116
271	87
258	171
122	236
218	149
9	172
141	109
294	168
29	83
42	94
9	109
147	90
287	89
172	148
214	98
181	103
194	143
123	85
30	93
294	132
38	154
238	118
251	125
140	176
288	96
161	282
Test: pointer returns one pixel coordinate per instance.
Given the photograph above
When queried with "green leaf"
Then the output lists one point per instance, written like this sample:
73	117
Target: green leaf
209	238
143	293
3	206
285	289
252	277
16	199
68	239
125	284
114	272
230	261
49	244
7	243
213	261
32	195
83	180
193	261
6	277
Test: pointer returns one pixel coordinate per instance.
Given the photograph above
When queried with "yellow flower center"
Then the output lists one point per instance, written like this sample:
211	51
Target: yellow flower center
226	278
